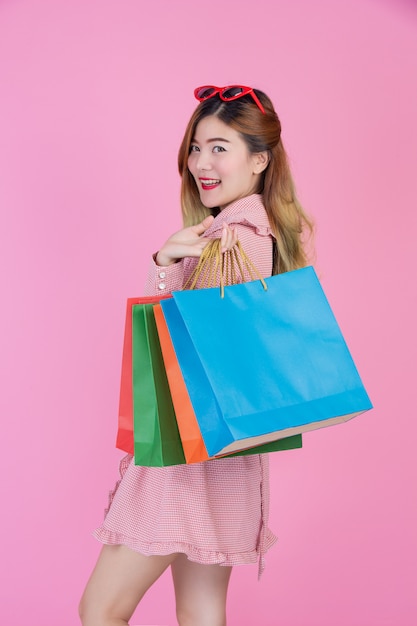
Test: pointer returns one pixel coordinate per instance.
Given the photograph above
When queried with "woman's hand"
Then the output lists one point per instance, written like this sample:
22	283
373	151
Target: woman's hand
229	238
189	242
185	242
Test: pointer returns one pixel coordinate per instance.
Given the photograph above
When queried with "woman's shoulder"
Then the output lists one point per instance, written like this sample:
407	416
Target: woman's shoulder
248	211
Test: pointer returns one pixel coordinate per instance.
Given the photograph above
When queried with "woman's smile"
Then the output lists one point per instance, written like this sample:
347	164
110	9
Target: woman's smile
209	183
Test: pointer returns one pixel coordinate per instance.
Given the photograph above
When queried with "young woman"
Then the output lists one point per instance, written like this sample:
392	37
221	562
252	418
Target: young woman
203	519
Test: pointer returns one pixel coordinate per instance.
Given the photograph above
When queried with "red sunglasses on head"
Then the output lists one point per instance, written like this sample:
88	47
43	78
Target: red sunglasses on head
227	94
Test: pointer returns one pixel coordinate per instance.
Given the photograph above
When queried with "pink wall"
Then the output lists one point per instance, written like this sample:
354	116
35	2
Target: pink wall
94	96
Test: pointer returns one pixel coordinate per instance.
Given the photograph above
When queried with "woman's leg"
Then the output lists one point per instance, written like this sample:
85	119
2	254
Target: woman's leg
200	592
118	583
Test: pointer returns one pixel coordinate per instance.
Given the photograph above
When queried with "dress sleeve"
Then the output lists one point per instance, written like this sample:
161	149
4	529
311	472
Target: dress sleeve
163	280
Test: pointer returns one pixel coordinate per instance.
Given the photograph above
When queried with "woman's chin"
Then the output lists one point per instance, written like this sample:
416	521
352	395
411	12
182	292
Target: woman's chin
207	202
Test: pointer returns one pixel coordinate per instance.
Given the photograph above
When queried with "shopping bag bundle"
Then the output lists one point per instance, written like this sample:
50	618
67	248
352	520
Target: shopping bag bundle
273	366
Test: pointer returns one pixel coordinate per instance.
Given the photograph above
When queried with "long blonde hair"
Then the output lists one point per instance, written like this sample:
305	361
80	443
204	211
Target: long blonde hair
261	132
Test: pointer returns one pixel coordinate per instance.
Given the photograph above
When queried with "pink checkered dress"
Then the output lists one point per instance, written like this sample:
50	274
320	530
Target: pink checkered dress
216	511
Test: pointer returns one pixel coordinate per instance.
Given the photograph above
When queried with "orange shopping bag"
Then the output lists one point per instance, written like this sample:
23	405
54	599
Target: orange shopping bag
192	442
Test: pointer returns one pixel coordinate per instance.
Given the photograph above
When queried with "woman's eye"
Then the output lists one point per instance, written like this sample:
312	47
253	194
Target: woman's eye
194	148
219	149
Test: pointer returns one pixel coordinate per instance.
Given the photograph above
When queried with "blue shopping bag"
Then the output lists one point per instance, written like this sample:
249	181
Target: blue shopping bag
261	365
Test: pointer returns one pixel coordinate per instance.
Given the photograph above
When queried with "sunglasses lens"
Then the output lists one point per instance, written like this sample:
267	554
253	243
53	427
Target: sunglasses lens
204	92
232	92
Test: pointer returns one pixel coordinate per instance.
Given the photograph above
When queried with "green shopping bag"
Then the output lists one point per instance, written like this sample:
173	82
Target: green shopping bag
124	438
156	438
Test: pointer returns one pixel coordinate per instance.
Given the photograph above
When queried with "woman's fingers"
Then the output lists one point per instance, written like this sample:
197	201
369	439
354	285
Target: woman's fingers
174	249
199	229
189	242
229	238
185	242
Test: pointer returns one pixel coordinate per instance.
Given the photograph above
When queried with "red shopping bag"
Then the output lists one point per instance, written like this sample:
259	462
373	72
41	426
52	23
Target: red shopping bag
124	438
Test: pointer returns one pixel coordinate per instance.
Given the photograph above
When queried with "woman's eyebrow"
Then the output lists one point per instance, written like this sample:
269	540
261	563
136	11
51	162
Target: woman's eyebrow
218	139
194	140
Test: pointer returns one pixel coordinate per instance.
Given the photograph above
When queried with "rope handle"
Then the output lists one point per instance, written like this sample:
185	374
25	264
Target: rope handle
213	262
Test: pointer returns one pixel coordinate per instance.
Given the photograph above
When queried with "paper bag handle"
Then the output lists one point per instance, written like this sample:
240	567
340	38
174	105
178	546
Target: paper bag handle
213	262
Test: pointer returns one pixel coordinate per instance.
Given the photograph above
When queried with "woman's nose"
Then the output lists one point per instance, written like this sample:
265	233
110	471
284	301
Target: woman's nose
204	161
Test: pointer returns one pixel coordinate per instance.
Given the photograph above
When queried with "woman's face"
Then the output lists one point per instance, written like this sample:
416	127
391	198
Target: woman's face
222	167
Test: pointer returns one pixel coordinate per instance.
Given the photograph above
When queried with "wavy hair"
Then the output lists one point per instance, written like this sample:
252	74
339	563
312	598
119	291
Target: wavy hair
261	132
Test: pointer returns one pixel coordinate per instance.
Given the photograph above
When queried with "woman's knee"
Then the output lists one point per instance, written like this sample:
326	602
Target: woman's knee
96	611
86	615
90	613
201	616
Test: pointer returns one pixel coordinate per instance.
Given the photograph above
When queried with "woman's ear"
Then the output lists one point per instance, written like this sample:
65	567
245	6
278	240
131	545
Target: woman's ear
260	162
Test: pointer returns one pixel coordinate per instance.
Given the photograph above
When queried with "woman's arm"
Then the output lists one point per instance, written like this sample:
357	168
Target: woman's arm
169	270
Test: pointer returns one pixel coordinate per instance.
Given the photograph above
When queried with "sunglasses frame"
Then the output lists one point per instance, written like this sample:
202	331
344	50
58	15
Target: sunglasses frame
246	91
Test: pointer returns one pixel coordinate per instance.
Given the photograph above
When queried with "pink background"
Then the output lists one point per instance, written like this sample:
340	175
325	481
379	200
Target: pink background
94	98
